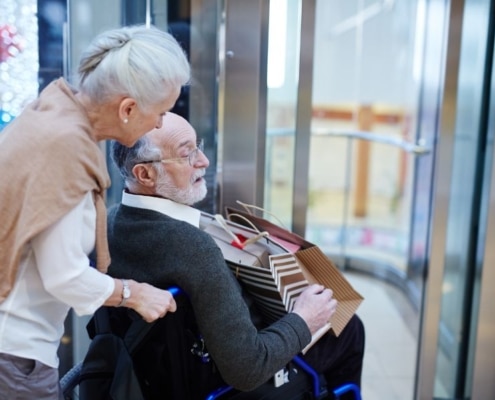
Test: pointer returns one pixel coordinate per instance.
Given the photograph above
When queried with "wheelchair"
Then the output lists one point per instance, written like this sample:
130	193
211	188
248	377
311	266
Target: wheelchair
298	381
72	378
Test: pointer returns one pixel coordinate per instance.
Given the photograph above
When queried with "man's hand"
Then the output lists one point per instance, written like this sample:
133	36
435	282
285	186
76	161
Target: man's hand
315	305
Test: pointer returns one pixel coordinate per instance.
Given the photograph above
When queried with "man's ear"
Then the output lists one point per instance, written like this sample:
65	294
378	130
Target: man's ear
145	174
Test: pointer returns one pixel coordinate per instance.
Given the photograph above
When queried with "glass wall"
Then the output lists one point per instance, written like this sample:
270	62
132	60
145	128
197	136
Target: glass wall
282	94
373	104
470	176
193	24
364	141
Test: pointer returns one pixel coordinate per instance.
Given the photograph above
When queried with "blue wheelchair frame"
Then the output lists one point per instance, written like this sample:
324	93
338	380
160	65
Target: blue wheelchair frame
317	392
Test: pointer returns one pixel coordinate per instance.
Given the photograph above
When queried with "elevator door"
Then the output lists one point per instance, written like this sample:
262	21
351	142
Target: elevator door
334	130
339	117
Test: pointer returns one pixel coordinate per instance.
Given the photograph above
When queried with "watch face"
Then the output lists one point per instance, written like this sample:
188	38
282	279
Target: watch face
126	292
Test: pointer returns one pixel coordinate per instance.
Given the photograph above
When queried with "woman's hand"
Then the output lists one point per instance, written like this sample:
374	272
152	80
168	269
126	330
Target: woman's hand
148	301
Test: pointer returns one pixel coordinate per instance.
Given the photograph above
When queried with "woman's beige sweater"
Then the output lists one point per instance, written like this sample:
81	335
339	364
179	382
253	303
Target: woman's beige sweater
49	160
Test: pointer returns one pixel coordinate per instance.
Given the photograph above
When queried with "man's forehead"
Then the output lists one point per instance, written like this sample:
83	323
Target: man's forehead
174	136
171	119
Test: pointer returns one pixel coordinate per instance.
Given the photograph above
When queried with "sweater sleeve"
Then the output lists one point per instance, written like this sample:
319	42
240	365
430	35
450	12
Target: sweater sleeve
245	356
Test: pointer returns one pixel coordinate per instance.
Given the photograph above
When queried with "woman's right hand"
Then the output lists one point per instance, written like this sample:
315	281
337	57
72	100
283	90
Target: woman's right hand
148	301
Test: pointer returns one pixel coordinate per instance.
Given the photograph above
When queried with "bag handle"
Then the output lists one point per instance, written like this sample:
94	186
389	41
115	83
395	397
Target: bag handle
248	221
248	208
241	244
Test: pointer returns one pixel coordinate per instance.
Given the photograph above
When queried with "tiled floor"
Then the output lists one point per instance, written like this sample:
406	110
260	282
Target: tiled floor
390	355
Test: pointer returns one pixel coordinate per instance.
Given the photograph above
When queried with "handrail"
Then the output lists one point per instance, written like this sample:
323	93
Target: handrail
409	147
419	149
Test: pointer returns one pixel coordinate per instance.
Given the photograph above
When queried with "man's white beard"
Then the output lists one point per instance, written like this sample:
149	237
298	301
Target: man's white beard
188	196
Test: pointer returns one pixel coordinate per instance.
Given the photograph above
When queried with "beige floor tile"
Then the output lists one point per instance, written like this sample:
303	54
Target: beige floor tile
390	356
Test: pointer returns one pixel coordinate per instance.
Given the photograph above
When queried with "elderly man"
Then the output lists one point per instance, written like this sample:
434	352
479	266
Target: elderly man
154	236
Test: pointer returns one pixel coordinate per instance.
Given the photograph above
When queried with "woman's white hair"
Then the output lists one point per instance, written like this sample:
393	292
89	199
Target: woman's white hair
141	62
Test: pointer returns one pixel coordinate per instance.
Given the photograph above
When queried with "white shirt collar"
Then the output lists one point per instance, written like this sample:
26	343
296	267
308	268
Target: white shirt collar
168	207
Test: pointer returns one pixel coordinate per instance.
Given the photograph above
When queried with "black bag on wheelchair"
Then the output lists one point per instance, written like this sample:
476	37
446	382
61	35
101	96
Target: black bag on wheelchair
129	359
107	371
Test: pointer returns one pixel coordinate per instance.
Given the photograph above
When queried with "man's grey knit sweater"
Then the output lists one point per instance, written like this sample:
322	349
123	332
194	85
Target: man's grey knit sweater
148	246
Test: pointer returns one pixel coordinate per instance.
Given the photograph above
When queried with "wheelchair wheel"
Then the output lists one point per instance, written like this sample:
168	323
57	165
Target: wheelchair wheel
69	382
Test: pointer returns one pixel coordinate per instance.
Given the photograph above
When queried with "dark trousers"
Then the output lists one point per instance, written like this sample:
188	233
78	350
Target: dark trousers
340	359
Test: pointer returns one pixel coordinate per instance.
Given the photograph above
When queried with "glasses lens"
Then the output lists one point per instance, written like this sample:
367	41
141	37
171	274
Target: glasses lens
193	155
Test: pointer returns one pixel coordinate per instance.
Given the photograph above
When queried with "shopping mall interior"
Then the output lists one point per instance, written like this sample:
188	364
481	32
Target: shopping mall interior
365	126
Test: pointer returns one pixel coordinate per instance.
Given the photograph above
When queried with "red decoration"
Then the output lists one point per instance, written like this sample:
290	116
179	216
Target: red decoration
10	42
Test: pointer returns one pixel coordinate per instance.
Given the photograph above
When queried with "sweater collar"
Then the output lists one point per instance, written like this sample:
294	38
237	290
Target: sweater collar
168	207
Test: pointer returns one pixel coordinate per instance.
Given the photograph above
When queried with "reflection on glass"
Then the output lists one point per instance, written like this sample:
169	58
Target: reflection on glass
283	70
366	77
359	189
277	37
470	180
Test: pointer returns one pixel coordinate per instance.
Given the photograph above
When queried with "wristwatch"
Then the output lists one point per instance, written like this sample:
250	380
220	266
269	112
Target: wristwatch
126	292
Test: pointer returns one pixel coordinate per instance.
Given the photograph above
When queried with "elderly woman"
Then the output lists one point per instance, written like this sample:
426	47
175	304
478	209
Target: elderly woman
52	209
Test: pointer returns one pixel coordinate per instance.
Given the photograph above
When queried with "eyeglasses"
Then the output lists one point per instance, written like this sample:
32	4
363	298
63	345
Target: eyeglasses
192	157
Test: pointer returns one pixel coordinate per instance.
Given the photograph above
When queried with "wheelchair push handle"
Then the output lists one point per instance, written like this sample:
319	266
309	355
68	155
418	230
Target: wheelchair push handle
175	290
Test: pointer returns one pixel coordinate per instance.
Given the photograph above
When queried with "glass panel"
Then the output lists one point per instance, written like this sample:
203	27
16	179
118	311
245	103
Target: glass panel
460	299
480	376
360	189
283	71
362	157
196	101
366	144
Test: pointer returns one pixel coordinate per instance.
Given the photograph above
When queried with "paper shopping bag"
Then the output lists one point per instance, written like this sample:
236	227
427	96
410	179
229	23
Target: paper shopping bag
250	263
290	240
315	265
272	275
254	254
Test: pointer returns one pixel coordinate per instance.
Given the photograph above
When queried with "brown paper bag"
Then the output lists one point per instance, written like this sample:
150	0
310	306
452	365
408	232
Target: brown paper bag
272	275
316	266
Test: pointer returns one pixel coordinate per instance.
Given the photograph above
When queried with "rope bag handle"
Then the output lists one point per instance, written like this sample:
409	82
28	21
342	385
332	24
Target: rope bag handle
220	219
250	207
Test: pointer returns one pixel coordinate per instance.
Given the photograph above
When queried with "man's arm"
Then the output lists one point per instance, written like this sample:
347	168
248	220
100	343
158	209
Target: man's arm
245	356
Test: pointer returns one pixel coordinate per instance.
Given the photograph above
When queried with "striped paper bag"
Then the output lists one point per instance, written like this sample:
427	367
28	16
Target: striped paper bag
315	265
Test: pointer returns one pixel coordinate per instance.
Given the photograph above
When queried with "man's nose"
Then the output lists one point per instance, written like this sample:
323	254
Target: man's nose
201	160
